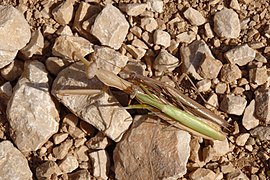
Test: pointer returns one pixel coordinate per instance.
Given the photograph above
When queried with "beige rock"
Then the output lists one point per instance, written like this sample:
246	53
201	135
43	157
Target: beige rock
98	142
149	24
215	150
110	27
249	120
194	17
258	75
47	170
13	163
80	175
186	37
139	44
237	174
80	141
64	31
156	5
134	9
5	93
13	70
235	5
227	167
55	64
230	73
232	104
262	105
71	120
76	133
262	133
101	163
68	46
137	31
101	110
137	53
69	164
154	157
82	153
242	139
31	112
209	68
61	151
203	85
221	88
63	13
59	137
208	30
240	55
227	23
14	33
162	38
165	62
212	101
202	173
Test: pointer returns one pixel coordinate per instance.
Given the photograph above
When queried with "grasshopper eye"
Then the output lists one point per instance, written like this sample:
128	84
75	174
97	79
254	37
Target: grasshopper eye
91	70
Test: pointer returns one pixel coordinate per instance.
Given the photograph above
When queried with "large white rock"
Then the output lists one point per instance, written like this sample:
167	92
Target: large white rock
31	112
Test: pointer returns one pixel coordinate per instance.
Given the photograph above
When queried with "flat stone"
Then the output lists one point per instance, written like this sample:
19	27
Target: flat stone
47	169
139	44
242	139
262	133
63	13
237	174
186	37
221	88
155	157
101	164
240	55
67	46
229	73
215	150
69	164
232	104
227	167
156	5
134	9
149	24
13	163
35	45
59	137
258	75
165	62
249	120
137	53
101	110
227	23
12	71
209	68
13	23
194	17
110	27
31	112
193	55
202	173
262	105
98	142
82	153
60	152
162	38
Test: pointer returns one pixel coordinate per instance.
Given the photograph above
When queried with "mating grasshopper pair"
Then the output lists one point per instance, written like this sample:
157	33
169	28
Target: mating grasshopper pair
161	99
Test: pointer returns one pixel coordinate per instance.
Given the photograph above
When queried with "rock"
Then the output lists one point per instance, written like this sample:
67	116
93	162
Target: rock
212	102
13	163
99	108
31	112
249	120
162	38
229	73
13	23
137	53
55	64
82	153
153	157
80	175
110	27
186	37
263	133
232	104
202	173
101	164
135	9
35	45
227	167
227	23
149	24
194	17
139	44
258	75
64	31
203	85
193	55
68	46
240	55
156	5
262	105
59	137
215	150
47	170
137	31
12	71
209	68
221	88
235	5
63	13
237	174
165	62
98	142
242	139
208	30
69	164
60	152
5	93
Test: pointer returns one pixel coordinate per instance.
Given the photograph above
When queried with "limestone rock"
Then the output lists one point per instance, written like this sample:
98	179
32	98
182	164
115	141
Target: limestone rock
68	46
63	13
240	55
134	9
101	163
249	120
232	104
194	17
99	109
47	169
203	85
135	155
215	150
258	75
156	5
262	105
230	73
60	152
227	23
149	24
13	70
209	68
262	133
80	175
31	112
242	139
69	164
237	174
186	37
14	33
165	62
110	27
137	53
13	163
55	64
202	173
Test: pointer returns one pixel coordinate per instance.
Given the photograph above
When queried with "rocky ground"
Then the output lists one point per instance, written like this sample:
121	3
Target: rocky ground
223	46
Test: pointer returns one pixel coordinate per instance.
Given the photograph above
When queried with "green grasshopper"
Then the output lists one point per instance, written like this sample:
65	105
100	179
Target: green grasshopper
145	91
